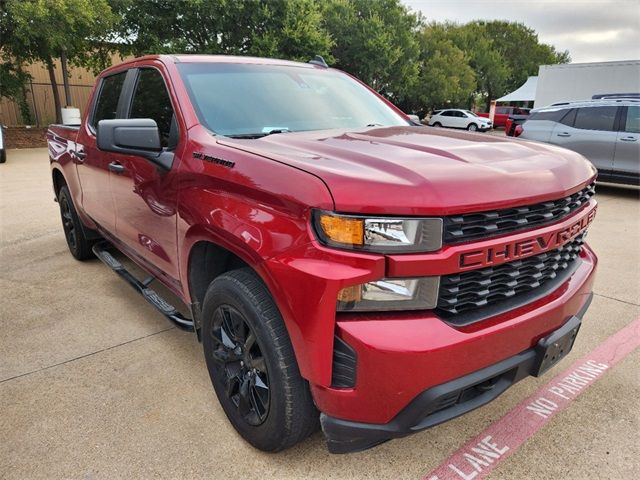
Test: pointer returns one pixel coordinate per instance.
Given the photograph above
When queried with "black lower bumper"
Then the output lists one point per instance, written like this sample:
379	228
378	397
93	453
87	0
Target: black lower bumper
457	397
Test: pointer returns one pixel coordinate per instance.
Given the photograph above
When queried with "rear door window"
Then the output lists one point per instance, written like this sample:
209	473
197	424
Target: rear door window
151	100
596	118
632	124
448	113
551	115
107	103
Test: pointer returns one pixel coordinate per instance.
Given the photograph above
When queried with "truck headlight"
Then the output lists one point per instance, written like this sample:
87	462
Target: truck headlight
378	234
390	294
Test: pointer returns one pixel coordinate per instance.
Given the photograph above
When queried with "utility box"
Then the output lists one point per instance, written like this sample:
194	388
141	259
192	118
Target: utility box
71	116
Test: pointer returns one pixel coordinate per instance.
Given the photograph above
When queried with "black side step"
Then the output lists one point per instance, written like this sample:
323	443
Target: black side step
101	250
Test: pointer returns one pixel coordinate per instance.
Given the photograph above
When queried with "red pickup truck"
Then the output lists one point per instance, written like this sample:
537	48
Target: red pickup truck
342	266
504	113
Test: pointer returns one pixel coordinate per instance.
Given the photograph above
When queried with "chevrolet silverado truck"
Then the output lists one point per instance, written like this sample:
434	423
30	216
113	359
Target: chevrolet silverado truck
342	267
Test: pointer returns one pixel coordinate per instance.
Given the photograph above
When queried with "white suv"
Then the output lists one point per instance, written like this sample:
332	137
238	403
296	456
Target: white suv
458	118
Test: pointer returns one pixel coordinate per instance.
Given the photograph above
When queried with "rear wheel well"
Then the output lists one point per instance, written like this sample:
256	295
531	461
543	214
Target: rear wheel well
206	262
58	181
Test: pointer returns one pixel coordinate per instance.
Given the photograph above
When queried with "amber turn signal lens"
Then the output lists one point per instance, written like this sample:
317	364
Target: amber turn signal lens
345	230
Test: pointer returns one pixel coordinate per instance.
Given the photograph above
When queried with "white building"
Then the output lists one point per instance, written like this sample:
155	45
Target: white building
578	81
581	81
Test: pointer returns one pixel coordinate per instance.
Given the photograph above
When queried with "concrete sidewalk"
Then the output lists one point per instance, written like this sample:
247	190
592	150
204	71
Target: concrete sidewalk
94	383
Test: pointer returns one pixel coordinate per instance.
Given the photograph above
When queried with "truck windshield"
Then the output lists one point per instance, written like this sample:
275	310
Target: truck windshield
250	101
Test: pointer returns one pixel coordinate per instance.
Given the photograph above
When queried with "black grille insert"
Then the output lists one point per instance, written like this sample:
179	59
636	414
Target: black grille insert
470	226
469	292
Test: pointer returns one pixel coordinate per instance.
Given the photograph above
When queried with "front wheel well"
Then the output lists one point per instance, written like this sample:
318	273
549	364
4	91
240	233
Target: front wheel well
206	262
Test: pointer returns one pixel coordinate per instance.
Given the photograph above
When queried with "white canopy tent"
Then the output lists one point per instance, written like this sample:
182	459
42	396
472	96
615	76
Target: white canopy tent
526	93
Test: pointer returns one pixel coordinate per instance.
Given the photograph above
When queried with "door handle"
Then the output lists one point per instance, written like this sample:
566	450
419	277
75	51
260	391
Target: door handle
629	139
116	167
564	134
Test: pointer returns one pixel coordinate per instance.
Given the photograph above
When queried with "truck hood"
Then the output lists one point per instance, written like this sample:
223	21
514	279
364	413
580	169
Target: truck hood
425	171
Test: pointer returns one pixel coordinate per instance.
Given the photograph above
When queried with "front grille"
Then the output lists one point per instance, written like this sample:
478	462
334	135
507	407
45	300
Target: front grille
471	291
471	226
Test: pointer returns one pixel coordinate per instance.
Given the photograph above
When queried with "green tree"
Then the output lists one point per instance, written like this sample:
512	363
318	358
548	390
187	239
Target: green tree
376	42
13	86
13	78
294	32
288	29
445	77
502	54
43	30
485	59
520	49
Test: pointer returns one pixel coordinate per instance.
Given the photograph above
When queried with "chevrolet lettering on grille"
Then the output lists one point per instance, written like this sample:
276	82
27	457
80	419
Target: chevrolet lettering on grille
496	255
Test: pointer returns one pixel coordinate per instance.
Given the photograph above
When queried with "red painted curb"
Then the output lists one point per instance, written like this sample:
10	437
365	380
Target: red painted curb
483	453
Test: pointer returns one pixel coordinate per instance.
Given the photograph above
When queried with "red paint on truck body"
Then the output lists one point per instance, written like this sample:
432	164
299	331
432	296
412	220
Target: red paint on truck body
260	210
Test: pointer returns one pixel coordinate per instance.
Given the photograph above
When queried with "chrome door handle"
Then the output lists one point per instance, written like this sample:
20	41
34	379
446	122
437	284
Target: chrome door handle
629	139
116	167
564	134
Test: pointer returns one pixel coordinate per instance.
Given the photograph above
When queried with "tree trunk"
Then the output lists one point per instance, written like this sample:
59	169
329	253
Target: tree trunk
54	87
489	98
65	79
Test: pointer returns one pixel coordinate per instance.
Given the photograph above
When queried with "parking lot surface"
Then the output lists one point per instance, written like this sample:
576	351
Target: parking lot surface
94	383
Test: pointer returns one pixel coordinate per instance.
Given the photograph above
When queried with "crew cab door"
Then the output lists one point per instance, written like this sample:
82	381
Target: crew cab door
93	164
144	193
591	132
627	157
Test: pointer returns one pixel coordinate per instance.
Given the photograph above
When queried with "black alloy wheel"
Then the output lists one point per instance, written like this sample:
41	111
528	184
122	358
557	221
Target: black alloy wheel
252	365
67	223
241	364
74	232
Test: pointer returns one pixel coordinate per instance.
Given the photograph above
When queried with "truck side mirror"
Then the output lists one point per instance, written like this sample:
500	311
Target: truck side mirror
133	136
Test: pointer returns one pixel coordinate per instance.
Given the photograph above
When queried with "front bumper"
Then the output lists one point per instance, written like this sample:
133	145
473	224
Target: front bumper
448	400
399	355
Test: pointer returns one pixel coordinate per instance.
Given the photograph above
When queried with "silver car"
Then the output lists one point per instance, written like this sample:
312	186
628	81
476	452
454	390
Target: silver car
606	131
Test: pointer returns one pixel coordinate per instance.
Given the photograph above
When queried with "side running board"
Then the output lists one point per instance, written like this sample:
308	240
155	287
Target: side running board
101	250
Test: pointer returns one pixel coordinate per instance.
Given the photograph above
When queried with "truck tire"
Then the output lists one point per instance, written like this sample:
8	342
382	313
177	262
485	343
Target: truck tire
74	232
472	127
252	365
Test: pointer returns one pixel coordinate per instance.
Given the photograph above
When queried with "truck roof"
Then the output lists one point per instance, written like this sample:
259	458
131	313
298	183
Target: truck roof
600	102
197	58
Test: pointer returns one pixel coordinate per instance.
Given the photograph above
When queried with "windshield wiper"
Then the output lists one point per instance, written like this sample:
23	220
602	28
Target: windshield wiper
260	134
375	125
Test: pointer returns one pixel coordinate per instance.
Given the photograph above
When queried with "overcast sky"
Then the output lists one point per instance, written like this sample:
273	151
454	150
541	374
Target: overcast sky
592	30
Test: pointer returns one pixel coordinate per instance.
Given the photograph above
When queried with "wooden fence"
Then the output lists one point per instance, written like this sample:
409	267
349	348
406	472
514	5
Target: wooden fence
40	94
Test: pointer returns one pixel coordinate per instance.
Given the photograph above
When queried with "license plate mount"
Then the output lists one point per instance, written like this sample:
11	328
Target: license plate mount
554	347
